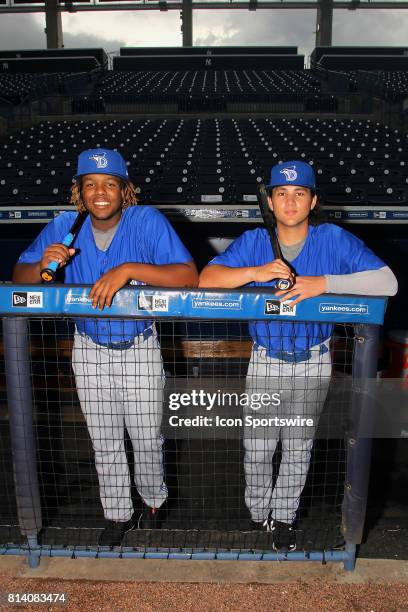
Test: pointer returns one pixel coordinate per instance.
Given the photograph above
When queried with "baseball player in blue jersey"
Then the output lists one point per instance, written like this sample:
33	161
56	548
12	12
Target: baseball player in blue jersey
117	364
295	356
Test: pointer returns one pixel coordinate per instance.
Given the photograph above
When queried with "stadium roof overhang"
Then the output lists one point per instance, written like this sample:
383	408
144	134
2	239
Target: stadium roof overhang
27	6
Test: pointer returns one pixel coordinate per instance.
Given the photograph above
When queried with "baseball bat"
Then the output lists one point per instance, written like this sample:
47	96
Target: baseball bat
269	220
48	274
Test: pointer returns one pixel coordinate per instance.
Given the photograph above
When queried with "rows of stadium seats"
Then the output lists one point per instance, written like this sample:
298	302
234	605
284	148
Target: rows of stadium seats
16	87
210	160
209	82
392	85
21	87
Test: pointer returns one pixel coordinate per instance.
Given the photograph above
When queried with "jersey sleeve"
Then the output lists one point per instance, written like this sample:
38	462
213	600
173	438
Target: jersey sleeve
239	253
161	241
355	256
53	232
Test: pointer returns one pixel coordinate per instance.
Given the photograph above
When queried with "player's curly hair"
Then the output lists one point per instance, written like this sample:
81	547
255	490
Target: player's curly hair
129	195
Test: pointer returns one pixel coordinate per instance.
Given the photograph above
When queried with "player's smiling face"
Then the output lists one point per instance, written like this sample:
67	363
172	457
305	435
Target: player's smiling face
102	196
292	204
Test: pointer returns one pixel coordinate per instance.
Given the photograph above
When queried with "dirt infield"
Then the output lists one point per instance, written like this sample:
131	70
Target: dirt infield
146	597
153	585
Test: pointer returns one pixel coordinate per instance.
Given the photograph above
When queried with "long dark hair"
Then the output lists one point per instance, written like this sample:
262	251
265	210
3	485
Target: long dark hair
317	215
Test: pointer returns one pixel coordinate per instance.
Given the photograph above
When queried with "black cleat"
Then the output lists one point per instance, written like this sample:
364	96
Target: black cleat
151	518
114	531
283	536
262	525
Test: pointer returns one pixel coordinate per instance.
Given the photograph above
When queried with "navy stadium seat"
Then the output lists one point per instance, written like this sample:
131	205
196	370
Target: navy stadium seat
203	160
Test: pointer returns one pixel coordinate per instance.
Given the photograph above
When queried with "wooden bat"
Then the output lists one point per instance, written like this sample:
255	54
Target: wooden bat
269	220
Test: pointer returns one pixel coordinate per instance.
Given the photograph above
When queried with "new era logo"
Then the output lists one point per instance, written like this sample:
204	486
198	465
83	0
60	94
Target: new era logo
275	307
272	307
19	299
288	309
153	302
27	299
144	302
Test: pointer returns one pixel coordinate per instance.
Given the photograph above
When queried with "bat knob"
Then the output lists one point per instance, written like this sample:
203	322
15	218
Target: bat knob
283	284
47	275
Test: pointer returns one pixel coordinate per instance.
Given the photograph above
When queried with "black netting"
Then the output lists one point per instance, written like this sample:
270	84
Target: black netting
124	457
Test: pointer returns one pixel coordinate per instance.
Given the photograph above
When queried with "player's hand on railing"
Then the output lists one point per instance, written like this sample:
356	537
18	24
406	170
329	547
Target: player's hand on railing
305	287
56	252
271	270
105	288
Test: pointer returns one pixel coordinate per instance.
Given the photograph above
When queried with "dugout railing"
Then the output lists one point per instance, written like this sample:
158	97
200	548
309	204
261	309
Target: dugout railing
50	503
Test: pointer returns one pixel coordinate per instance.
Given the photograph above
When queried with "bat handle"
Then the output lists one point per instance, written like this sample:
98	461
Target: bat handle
48	274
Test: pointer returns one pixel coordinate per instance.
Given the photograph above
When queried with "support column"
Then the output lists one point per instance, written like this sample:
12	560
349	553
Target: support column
21	418
53	25
324	23
359	438
186	16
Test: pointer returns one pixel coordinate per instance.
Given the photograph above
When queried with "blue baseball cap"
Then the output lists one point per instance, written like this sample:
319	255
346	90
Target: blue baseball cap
293	173
102	161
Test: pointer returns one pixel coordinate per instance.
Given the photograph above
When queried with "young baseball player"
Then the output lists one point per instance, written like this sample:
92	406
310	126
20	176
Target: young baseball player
117	364
293	356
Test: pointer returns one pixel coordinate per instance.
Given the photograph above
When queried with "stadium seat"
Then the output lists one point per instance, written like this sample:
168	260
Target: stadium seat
211	159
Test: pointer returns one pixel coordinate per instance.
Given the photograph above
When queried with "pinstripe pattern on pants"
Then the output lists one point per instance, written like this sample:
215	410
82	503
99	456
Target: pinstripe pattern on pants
302	388
118	390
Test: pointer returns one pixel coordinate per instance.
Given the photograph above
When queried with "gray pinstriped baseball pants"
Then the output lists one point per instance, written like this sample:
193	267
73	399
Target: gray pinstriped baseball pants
303	389
119	389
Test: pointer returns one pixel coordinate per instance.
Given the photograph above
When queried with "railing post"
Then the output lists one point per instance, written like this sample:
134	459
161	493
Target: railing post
20	405
365	356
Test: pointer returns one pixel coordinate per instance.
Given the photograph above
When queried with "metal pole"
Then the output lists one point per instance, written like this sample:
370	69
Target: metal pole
187	23
20	407
53	25
324	23
359	448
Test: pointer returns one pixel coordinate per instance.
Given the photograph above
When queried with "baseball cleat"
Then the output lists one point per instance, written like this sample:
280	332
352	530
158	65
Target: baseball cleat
114	531
151	518
264	525
283	536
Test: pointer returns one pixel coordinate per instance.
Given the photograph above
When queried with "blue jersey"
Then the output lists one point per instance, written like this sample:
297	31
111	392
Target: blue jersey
143	236
328	249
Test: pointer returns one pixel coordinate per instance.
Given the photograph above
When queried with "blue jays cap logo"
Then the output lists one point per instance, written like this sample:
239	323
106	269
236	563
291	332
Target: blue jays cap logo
290	173
101	161
294	172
